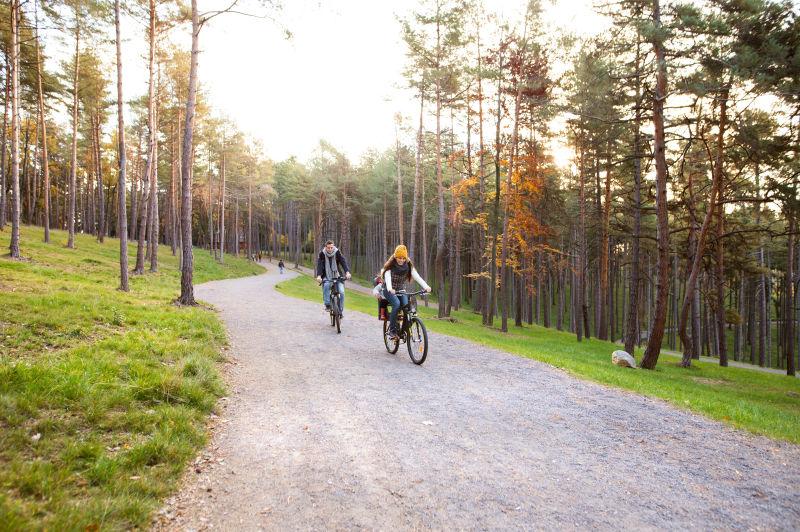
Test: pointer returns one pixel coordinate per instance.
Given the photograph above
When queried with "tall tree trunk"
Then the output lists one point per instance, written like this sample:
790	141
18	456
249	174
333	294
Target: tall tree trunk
155	227
222	208
417	176
716	193
122	220
236	226
580	270
101	230
440	249
43	120
483	283
602	303
400	228
505	275
187	155
135	179
74	159
15	199
3	195
152	128
789	281
720	285
632	319
491	300
250	220
763	309
653	349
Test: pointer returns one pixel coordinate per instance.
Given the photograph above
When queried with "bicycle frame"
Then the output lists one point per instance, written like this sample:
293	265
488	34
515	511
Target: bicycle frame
334	288
408	310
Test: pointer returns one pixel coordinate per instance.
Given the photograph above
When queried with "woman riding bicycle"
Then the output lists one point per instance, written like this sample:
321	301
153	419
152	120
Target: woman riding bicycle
396	273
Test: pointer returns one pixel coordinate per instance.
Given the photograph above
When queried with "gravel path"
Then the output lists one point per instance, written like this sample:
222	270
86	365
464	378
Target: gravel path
332	432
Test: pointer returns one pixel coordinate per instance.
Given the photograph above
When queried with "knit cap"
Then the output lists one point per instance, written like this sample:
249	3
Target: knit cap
401	252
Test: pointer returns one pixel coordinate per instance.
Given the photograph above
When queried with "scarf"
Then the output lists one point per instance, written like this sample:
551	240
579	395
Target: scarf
400	276
331	266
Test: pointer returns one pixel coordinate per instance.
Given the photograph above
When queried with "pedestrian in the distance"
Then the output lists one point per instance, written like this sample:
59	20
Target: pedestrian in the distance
281	266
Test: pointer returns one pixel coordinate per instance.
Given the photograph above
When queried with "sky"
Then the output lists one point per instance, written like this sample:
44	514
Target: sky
339	77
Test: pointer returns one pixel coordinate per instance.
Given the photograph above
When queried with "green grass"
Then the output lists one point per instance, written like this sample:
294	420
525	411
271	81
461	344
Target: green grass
103	394
759	402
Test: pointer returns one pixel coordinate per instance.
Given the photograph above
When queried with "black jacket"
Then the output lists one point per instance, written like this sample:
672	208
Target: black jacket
340	261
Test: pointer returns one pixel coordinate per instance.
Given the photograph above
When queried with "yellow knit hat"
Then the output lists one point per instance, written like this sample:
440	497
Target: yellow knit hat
401	252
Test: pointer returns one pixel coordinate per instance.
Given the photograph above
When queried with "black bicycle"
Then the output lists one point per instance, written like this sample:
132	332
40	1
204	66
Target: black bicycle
336	303
411	331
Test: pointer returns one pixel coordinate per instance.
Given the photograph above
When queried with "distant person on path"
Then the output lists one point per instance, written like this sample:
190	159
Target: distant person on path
396	274
331	264
281	266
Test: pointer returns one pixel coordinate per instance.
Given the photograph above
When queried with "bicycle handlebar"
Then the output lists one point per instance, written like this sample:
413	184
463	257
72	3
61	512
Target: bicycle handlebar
417	293
337	280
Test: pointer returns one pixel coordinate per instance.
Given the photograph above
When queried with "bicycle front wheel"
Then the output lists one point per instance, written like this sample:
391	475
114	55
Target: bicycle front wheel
338	323
391	345
417	341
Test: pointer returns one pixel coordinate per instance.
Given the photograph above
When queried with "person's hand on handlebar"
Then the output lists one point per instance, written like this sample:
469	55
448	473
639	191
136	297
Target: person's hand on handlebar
347	276
319	279
392	291
428	290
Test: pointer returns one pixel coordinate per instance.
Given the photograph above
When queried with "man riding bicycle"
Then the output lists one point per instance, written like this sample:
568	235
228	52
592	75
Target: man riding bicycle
331	264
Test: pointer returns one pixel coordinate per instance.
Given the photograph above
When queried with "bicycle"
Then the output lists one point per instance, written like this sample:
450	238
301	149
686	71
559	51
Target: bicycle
412	330
336	303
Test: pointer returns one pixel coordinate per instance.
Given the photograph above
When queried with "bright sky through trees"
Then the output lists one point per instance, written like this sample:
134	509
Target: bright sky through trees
339	77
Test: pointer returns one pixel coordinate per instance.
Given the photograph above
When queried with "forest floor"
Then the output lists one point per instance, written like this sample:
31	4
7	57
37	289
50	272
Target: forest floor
104	395
327	431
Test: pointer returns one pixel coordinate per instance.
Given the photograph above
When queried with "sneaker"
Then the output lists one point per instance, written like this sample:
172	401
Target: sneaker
327	308
341	315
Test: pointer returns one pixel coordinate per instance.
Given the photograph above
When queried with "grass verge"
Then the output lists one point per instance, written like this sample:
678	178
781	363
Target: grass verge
103	394
759	402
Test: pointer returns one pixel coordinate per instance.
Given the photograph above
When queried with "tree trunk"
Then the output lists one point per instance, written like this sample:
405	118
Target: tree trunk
505	275
101	230
440	249
417	177
789	281
400	227
716	194
632	319
43	119
491	300
122	219
187	156
74	158
3	195
222	209
152	127
250	221
720	285
602	328
650	358
15	199
152	243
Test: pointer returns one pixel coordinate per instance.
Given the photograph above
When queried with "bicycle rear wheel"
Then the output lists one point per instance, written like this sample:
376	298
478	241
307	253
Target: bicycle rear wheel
391	345
417	341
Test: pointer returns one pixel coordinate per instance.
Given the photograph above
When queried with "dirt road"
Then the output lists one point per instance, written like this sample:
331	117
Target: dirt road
326	431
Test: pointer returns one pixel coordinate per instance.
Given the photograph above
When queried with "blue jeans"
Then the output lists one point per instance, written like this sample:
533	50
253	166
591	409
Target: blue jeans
396	302
326	293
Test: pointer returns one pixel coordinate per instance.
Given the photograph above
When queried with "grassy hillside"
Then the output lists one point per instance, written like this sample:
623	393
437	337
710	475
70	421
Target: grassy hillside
103	394
760	402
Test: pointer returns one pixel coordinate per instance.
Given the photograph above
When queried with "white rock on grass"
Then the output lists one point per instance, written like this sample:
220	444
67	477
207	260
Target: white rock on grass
623	358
